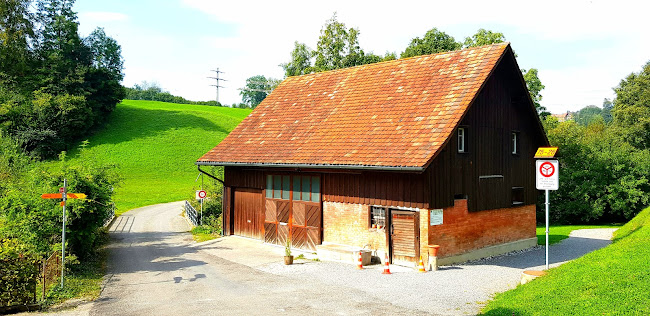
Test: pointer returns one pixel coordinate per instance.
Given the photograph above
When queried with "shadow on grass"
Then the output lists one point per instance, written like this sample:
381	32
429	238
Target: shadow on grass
127	123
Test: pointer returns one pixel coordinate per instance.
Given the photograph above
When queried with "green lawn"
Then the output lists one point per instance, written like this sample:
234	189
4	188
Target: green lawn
155	145
614	280
557	233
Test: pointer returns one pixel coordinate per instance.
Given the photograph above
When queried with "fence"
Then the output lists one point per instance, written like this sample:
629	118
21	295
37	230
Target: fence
111	215
50	272
191	213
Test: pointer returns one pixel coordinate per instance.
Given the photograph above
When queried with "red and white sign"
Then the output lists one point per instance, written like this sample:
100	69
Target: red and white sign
546	174
61	190
201	194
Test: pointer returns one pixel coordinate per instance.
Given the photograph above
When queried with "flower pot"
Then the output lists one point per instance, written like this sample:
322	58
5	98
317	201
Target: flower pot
433	250
288	260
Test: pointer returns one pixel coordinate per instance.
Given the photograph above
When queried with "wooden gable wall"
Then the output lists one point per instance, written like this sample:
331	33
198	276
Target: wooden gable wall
488	171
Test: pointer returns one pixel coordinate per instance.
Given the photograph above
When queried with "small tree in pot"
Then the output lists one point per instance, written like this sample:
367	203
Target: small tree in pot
288	258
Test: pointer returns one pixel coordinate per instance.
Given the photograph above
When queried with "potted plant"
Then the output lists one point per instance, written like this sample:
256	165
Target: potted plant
288	258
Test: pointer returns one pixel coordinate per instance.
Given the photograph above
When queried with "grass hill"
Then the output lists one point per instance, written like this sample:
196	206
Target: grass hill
155	145
614	280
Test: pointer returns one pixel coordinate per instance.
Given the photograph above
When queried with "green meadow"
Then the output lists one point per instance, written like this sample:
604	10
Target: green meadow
155	144
614	280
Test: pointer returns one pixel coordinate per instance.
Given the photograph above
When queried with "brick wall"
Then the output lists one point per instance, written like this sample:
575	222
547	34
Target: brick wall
462	231
347	224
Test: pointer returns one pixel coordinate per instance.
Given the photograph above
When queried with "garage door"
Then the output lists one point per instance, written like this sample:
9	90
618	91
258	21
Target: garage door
248	209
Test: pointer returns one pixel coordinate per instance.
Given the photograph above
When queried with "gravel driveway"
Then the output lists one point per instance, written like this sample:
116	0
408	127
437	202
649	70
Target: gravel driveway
156	269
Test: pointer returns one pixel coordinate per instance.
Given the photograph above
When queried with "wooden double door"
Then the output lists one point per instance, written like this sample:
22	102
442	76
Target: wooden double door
294	216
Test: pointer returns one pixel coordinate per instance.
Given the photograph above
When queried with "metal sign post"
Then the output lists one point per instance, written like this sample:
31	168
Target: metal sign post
546	178
64	197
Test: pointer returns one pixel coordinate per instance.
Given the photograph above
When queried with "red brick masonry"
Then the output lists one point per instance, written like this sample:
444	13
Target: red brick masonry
462	231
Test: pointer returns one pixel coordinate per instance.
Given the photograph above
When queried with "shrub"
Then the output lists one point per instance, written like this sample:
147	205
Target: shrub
18	273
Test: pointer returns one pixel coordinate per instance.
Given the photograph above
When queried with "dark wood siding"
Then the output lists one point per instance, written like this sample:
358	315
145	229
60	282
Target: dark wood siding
377	188
488	171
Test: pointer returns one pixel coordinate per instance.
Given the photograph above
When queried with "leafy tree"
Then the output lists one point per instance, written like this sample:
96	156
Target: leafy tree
300	63
484	37
256	90
535	87
632	108
16	32
602	178
434	41
607	110
337	47
588	115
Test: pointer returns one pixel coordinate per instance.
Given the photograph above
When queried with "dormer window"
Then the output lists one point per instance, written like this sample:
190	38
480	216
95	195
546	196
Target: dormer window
461	140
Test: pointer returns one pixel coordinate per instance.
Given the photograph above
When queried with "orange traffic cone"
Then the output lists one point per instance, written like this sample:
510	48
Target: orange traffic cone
360	262
386	266
421	266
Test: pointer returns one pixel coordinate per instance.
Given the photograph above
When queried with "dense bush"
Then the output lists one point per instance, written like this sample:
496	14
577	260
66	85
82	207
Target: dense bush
36	222
602	177
18	274
212	204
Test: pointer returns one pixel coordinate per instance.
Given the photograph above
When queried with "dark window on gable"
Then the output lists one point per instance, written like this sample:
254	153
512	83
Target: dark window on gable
517	195
377	216
462	139
514	142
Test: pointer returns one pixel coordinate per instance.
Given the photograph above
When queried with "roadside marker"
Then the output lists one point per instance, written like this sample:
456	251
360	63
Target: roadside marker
421	266
386	266
359	262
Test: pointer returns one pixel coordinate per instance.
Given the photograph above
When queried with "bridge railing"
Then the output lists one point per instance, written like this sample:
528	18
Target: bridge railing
191	213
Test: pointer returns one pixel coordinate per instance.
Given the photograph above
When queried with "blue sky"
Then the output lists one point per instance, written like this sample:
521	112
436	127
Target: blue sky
582	49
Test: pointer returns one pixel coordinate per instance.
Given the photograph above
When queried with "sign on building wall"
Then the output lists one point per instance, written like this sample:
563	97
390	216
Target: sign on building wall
435	217
546	174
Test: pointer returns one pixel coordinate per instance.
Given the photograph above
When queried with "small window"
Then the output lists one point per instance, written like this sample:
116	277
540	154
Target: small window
461	140
315	189
377	217
286	189
269	186
517	195
515	143
305	188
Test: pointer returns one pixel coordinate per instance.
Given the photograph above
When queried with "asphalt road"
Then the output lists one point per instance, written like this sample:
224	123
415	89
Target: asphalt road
155	269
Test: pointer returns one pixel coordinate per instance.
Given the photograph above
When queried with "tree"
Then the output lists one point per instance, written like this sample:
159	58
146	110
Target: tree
337	47
256	90
300	63
16	32
632	108
588	115
535	87
434	41
484	37
607	110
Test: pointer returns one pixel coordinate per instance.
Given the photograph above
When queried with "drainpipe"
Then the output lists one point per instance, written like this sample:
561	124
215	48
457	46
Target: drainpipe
223	189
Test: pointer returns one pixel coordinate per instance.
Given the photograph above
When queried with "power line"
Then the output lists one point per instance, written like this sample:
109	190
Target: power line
217	83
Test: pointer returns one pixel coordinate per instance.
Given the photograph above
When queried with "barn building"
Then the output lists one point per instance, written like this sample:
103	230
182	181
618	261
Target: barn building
392	157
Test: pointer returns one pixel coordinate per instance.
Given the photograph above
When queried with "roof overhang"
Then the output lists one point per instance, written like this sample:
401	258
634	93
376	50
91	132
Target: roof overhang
311	166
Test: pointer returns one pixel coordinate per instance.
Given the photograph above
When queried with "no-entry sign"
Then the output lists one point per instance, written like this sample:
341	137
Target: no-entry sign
546	174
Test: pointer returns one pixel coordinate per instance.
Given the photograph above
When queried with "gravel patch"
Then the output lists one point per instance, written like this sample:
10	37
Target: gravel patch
453	290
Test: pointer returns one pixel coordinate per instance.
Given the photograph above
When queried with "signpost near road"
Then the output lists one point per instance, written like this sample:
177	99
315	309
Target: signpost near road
200	195
546	178
64	196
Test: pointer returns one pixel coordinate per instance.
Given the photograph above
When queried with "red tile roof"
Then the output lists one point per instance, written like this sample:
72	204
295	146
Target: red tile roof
394	114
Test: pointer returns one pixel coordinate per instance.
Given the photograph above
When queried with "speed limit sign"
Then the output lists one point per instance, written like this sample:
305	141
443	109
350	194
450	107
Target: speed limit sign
201	194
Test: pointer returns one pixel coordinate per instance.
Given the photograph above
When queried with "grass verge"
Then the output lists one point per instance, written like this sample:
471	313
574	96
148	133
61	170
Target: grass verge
557	233
614	280
204	233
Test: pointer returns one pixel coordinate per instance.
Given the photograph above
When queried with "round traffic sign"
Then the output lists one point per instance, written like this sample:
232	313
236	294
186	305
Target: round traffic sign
202	194
61	190
547	169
